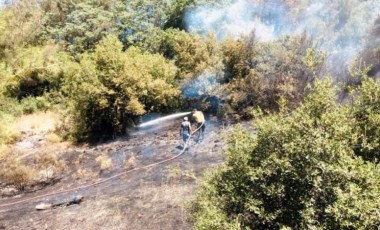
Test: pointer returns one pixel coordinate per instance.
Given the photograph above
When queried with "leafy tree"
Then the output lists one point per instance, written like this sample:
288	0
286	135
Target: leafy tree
259	74
298	171
80	24
366	111
176	13
22	20
3	32
194	55
237	56
113	88
34	71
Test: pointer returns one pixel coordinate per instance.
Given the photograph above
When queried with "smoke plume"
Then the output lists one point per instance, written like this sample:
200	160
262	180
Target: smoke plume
341	27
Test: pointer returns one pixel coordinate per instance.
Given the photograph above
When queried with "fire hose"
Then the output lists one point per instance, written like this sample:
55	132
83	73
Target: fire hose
104	180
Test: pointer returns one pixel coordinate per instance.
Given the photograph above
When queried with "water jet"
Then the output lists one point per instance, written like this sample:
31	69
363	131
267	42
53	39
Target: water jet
162	119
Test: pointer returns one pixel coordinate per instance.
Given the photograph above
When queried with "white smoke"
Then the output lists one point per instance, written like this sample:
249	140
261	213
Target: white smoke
232	21
341	26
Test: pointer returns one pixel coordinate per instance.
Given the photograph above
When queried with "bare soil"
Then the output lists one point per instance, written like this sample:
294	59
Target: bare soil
151	198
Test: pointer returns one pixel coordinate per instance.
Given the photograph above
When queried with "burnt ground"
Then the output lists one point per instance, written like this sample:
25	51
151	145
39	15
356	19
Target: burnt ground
151	198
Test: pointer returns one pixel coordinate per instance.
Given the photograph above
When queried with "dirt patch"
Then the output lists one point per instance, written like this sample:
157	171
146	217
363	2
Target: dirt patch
145	199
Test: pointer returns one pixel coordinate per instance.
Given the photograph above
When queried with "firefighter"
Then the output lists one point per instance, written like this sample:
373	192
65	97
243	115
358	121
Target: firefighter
199	119
185	130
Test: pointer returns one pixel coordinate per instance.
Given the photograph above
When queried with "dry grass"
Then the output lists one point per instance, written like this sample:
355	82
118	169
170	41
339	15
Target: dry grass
79	160
5	150
17	174
176	174
52	138
82	172
50	164
130	163
104	213
37	123
104	162
42	124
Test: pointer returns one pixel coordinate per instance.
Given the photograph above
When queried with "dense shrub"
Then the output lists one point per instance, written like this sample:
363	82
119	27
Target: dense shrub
298	171
34	71
366	111
195	55
112	88
34	104
10	106
259	74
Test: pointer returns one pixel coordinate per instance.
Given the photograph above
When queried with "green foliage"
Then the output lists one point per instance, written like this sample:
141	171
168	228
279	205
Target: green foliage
22	25
10	106
298	171
237	56
177	10
9	109
112	88
3	32
7	133
141	23
195	55
85	23
34	71
45	43
33	104
81	24
366	110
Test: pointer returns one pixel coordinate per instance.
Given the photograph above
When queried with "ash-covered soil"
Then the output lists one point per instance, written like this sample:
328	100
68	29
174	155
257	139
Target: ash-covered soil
152	198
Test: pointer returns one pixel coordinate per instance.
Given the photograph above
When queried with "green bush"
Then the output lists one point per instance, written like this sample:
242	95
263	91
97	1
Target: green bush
366	111
10	106
34	104
33	71
8	133
111	88
298	171
195	55
9	109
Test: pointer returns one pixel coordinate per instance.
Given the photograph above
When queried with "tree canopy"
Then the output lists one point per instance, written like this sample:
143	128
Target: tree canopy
299	170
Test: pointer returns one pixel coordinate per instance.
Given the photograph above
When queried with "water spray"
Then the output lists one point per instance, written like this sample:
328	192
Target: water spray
162	119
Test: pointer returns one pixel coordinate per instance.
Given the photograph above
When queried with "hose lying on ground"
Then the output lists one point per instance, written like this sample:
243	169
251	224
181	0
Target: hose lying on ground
104	180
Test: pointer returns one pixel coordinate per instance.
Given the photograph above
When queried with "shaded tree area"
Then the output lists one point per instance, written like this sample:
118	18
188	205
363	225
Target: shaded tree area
44	45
